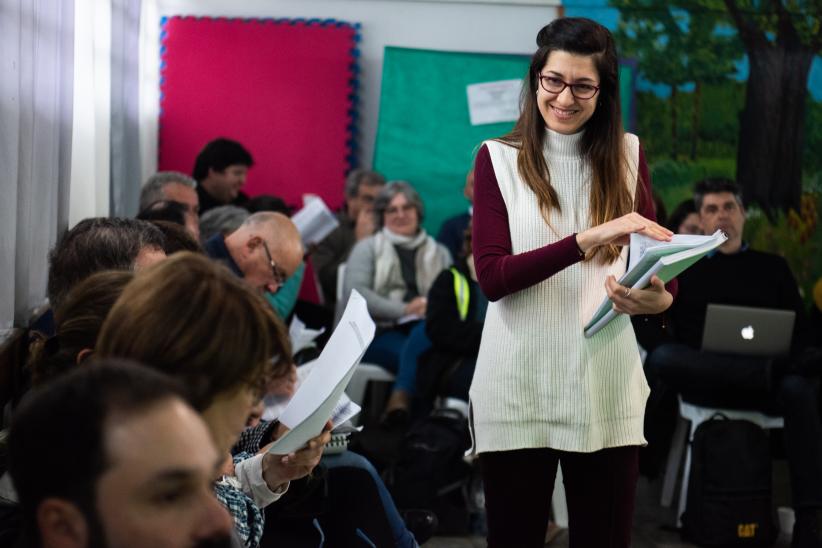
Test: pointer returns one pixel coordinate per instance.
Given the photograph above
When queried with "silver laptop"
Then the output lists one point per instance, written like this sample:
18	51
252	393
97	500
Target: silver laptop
748	331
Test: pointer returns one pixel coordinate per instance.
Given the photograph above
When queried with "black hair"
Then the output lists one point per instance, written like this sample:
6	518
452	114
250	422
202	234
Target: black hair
685	208
178	238
97	244
601	144
164	210
715	185
267	202
57	435
218	155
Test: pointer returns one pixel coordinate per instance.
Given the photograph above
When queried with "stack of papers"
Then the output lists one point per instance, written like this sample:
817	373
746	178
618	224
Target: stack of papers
648	257
314	221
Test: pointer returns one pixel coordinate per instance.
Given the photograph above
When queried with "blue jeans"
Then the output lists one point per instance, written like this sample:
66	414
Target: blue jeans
403	538
397	351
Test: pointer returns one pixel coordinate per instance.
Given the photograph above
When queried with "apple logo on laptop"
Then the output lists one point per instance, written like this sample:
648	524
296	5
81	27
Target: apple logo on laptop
747	333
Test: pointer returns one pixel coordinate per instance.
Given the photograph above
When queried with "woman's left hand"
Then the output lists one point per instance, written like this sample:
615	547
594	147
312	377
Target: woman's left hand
651	300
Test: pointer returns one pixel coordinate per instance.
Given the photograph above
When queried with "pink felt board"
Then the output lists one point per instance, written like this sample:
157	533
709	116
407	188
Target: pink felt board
284	89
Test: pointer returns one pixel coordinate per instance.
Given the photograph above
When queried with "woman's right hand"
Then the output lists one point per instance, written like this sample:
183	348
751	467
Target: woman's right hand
416	306
619	232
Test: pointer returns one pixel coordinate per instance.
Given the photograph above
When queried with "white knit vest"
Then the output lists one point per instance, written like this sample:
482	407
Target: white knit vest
538	381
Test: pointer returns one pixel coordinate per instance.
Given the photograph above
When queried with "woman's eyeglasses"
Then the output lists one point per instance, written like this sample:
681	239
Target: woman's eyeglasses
393	210
552	84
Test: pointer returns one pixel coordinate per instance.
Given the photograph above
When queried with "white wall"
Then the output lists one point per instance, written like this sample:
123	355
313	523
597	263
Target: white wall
502	27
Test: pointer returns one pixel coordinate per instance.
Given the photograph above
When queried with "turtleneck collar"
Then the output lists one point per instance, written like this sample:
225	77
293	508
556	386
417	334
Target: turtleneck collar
559	144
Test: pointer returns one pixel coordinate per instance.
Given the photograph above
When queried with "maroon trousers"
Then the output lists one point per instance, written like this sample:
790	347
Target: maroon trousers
599	488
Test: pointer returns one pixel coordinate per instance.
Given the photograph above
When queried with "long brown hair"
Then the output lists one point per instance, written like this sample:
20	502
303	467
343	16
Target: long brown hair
601	145
198	322
78	320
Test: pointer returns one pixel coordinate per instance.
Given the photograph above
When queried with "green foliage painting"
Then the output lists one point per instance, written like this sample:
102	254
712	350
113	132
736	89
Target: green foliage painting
731	88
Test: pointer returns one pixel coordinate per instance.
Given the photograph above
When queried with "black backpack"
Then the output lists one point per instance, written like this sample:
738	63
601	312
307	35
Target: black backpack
729	490
430	472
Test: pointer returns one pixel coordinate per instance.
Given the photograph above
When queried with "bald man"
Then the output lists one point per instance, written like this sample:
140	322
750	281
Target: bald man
265	250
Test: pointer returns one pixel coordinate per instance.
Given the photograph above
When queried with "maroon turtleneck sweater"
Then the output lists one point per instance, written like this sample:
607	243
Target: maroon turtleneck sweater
501	273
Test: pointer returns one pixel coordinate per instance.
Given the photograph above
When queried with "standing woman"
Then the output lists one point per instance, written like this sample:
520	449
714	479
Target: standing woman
554	201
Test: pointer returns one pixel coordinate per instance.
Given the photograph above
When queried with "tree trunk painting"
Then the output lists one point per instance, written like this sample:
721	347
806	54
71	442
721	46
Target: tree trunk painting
772	128
772	123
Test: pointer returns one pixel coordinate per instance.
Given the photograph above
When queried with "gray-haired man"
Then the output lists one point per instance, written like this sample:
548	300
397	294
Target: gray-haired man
356	222
173	186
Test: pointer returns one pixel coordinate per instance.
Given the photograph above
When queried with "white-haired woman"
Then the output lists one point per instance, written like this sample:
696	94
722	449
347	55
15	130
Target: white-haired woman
393	270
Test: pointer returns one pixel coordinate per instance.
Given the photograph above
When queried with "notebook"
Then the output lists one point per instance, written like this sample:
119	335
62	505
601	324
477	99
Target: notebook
748	331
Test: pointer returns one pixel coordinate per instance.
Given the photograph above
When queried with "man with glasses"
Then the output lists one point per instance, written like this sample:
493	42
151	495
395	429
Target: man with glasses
356	222
265	251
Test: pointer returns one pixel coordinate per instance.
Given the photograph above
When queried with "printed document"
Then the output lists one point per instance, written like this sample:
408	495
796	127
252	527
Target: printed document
314	221
319	394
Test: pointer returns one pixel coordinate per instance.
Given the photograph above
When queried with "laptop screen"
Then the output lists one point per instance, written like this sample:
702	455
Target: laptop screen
748	331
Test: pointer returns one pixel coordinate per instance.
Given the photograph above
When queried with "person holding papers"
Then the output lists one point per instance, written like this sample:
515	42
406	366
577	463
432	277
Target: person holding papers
741	276
393	270
554	201
195	321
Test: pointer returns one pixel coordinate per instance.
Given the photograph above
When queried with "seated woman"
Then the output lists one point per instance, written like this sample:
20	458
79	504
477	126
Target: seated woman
393	270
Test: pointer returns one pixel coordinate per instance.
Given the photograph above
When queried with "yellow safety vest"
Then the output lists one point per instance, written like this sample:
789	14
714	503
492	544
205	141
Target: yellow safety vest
462	292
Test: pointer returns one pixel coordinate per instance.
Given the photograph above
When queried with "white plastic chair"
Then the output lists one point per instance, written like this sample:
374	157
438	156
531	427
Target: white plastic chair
696	415
365	372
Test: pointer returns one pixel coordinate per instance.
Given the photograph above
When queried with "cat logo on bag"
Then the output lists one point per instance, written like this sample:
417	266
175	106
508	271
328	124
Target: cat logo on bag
746	530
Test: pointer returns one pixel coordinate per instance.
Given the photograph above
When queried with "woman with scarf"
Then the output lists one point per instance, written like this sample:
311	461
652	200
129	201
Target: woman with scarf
393	270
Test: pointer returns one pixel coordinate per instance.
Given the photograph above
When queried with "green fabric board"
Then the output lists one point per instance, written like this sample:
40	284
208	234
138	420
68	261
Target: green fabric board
424	134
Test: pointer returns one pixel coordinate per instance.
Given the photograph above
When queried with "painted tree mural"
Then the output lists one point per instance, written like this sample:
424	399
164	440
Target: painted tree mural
781	39
676	46
687	41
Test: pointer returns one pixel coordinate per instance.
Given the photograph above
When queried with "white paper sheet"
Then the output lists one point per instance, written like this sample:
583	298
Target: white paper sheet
275	405
301	336
492	102
314	221
320	392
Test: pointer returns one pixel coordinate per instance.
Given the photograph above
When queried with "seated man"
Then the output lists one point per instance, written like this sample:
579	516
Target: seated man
173	186
138	473
99	244
92	245
738	275
220	170
454	320
266	251
356	223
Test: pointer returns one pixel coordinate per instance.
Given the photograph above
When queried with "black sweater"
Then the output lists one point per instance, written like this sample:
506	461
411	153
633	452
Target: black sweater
746	278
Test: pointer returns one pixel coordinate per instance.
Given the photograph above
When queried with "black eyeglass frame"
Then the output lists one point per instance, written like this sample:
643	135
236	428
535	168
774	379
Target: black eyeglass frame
277	273
565	84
